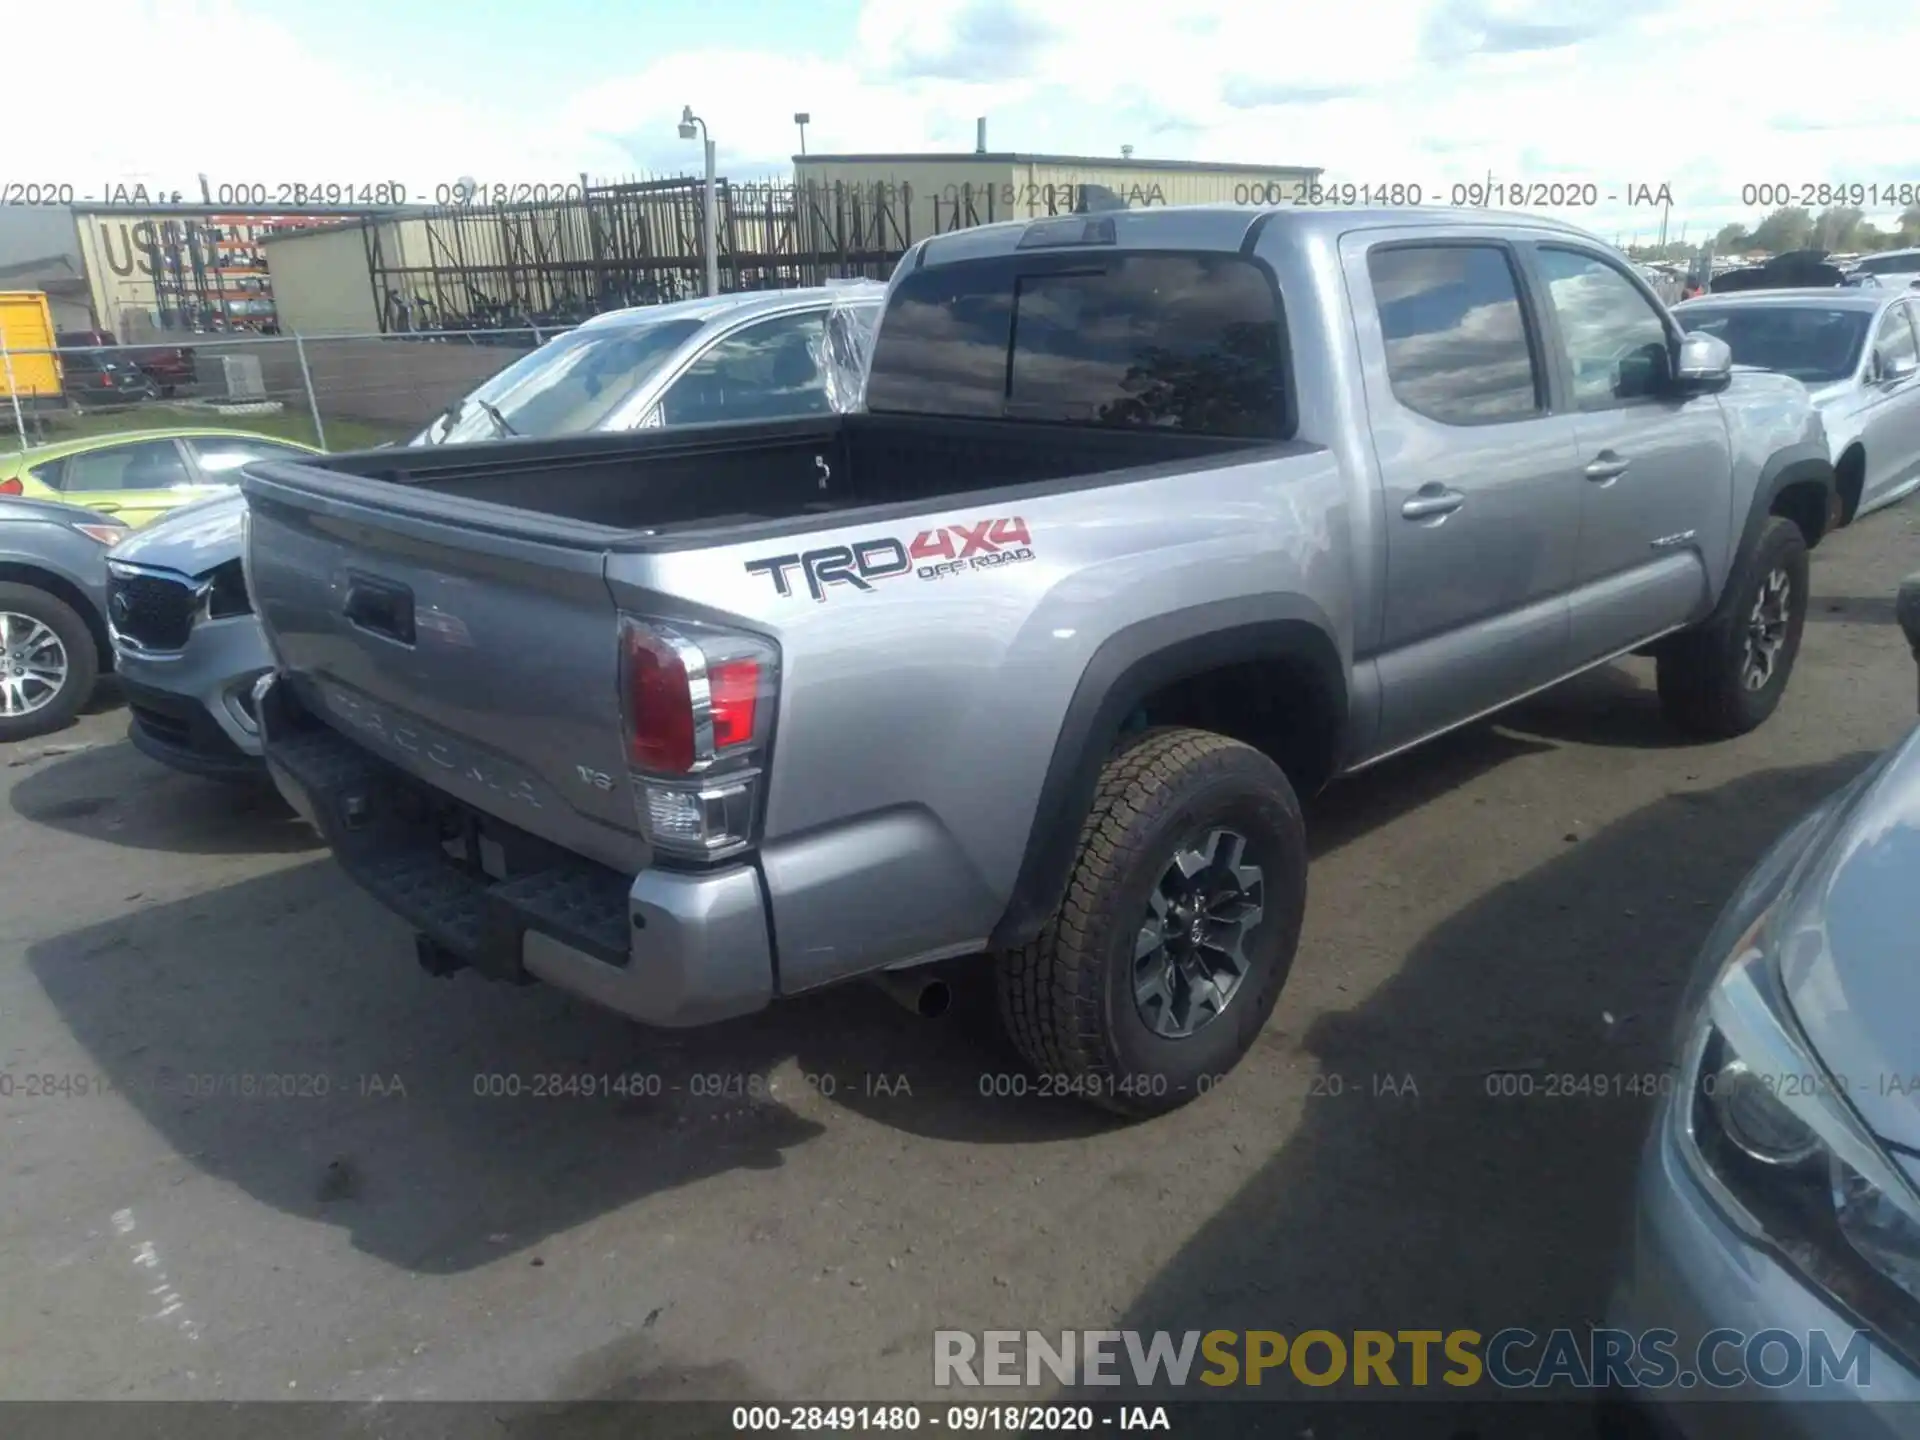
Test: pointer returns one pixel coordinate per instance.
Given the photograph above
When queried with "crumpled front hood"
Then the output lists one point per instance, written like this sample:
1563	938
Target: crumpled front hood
1850	958
192	540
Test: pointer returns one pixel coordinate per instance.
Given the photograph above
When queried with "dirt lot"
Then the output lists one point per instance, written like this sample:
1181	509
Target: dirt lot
813	1191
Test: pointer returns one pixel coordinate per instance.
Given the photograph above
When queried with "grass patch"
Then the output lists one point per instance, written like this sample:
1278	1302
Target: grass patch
287	424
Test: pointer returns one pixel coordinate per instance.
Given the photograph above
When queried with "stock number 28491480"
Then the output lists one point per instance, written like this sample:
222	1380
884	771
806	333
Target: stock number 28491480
1015	1085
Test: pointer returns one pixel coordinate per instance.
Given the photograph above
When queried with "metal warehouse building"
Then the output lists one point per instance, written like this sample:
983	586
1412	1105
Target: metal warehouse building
950	191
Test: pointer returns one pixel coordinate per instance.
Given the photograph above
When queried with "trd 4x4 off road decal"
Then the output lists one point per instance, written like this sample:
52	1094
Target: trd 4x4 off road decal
930	555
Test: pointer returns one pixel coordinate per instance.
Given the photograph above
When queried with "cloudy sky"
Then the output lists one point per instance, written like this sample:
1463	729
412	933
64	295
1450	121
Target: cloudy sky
1704	96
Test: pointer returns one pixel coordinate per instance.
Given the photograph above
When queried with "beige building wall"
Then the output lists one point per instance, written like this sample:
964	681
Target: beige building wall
119	273
923	196
320	282
1141	185
940	193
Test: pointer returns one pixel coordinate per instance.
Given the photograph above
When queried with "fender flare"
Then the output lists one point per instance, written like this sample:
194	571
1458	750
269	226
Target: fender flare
1130	665
1792	466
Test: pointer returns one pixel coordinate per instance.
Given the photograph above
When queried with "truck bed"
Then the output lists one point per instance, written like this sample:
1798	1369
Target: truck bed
686	485
402	587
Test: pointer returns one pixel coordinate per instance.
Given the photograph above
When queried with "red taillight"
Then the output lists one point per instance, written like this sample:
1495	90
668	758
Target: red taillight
12	486
699	702
659	705
735	688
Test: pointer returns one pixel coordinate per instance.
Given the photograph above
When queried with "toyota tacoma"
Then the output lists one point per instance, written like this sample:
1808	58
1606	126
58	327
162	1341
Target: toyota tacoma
1148	524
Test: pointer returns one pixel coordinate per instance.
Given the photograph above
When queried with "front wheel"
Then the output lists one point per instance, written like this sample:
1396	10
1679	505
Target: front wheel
1176	932
1726	676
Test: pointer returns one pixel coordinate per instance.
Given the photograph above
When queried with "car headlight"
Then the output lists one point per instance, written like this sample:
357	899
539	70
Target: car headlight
1773	1136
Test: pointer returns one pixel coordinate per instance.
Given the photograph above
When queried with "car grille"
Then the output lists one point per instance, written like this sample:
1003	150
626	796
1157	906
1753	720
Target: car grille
153	612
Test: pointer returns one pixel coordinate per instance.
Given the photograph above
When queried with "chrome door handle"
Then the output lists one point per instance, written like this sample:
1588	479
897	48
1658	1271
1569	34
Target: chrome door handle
1607	466
1427	504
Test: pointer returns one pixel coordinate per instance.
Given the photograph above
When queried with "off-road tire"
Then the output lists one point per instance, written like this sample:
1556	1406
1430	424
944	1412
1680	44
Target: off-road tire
1700	670
1067	1000
83	661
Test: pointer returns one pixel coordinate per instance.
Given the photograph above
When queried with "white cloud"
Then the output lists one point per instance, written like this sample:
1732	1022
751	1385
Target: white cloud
1703	95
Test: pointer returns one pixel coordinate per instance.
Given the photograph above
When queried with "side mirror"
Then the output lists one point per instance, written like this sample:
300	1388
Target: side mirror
1895	368
1704	362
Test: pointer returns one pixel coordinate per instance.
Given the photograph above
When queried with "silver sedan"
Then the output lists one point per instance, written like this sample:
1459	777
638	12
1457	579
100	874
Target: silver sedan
1858	351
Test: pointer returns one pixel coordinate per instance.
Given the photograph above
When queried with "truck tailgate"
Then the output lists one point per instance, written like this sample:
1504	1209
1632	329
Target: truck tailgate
454	639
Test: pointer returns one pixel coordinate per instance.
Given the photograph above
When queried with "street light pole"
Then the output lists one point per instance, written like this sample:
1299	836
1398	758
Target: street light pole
690	126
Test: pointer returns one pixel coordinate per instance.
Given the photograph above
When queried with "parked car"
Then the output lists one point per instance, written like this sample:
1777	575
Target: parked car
140	475
1790	270
1858	351
171	368
186	642
758	355
1890	269
1780	1186
1037	652
53	601
102	379
191	649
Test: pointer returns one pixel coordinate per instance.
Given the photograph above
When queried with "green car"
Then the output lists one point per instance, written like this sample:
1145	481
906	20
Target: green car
137	476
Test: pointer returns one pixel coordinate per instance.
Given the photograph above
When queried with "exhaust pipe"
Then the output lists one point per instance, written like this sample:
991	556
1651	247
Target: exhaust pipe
927	996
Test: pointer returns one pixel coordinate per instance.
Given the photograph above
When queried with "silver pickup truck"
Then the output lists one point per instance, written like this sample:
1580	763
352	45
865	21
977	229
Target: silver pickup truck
1151	523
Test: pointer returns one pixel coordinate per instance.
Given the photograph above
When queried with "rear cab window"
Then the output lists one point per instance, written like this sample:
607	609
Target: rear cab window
1140	339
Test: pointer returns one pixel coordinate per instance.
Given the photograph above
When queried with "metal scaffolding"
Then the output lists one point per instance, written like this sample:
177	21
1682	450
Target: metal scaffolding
638	242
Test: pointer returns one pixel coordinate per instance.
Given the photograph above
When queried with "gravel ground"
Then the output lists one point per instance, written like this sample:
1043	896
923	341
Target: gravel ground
786	1207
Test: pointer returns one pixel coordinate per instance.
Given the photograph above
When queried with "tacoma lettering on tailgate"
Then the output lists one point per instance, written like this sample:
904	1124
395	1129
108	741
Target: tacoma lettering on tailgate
411	738
930	555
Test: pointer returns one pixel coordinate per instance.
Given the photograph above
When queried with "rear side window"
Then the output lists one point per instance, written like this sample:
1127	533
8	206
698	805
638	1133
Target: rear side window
1457	343
1181	342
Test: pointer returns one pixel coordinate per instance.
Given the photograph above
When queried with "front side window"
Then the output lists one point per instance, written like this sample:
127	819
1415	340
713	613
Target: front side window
1613	337
1893	341
1167	341
1456	337
148	465
767	371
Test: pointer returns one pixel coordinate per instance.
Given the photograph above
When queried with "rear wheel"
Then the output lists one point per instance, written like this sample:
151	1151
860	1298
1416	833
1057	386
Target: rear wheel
1726	676
47	662
1177	930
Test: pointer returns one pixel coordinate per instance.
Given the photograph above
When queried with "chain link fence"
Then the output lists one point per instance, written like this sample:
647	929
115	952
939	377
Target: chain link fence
338	392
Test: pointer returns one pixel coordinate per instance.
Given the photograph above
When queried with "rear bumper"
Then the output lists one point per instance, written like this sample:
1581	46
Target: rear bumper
667	948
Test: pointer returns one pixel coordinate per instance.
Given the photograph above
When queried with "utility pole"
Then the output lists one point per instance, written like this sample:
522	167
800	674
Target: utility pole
692	125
